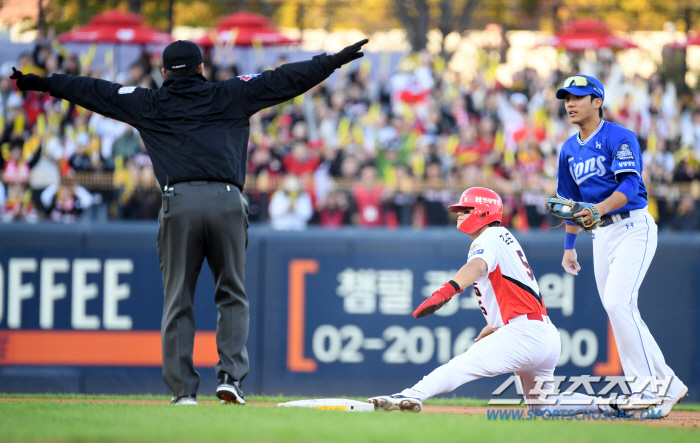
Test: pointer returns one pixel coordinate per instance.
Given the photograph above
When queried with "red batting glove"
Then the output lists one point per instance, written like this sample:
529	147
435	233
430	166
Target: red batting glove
437	300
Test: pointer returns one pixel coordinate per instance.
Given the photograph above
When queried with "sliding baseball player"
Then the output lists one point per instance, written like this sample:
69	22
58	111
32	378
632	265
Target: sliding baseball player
518	337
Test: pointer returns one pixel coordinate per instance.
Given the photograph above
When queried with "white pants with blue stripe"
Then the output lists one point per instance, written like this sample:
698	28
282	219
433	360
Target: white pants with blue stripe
622	253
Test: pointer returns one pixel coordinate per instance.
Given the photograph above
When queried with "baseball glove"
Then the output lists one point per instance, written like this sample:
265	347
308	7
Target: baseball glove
565	209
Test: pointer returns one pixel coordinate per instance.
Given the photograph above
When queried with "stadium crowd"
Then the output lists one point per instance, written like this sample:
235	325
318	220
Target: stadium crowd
390	149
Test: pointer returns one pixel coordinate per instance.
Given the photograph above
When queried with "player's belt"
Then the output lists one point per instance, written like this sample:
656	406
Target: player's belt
609	219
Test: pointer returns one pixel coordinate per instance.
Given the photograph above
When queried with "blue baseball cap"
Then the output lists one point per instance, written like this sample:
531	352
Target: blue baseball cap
580	85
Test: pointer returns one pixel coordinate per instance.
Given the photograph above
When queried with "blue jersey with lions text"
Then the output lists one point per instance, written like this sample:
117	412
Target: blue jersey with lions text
590	170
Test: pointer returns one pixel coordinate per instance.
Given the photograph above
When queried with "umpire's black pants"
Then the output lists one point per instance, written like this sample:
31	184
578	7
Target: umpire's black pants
203	219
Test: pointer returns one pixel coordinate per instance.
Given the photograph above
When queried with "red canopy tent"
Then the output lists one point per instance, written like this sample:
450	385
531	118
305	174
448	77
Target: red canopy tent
116	27
586	34
245	29
692	41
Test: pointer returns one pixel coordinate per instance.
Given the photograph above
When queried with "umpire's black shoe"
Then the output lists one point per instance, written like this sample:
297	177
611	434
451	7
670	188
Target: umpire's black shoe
229	390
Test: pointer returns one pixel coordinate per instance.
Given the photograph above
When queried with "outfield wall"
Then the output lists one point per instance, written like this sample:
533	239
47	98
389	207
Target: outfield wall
80	310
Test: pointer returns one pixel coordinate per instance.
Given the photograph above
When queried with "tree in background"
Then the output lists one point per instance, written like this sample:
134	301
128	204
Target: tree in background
369	16
417	17
420	16
65	15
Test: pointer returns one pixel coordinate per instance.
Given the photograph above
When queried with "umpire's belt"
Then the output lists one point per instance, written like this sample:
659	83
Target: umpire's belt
609	219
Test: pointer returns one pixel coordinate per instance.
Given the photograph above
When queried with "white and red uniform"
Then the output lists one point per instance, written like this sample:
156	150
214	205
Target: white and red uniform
525	342
508	288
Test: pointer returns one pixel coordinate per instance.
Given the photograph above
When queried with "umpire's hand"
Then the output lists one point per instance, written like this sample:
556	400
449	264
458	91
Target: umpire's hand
30	82
348	54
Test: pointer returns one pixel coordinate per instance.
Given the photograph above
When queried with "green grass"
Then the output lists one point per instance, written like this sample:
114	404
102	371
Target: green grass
443	401
454	401
165	398
123	422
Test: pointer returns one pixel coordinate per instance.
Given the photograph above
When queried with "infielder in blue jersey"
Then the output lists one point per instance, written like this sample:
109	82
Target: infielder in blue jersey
602	164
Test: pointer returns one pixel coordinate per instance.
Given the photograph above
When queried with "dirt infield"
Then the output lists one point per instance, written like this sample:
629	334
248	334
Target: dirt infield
686	419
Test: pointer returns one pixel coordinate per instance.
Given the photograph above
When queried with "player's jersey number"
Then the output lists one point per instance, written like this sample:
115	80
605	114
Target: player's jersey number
478	295
526	264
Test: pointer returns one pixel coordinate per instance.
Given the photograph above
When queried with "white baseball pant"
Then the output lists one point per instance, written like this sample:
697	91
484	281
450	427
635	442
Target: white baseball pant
528	348
622	253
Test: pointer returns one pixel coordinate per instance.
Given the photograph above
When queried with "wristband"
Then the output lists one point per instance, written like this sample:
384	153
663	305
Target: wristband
454	285
570	241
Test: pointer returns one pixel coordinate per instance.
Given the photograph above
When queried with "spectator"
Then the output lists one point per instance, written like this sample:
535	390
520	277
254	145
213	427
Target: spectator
435	198
690	132
413	124
156	62
108	131
258	197
301	161
17	165
127	144
369	197
400	199
333	210
80	160
144	200
290	207
65	202
5	88
686	168
18	206
687	216
534	194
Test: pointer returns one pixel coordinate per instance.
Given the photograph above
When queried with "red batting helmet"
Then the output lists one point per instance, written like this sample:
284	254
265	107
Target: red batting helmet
487	205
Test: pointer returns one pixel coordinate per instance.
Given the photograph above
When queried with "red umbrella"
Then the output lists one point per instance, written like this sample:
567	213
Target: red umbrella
586	34
116	27
245	29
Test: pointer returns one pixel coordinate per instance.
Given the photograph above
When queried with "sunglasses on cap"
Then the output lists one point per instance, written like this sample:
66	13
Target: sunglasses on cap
580	81
576	80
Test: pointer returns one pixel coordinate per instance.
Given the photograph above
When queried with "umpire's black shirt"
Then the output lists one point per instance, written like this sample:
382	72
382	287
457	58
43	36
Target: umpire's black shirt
193	129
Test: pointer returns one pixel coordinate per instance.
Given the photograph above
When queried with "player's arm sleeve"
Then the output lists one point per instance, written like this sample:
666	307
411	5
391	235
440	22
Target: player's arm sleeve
566	186
485	252
279	85
112	100
629	184
626	156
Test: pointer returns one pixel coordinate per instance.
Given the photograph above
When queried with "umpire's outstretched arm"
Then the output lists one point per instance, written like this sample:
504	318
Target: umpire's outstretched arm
93	94
286	82
279	85
127	104
101	96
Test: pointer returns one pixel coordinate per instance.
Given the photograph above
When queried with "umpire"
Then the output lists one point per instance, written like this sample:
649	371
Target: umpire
196	134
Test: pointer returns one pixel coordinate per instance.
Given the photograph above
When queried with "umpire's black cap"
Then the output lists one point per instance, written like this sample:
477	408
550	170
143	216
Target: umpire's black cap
181	54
